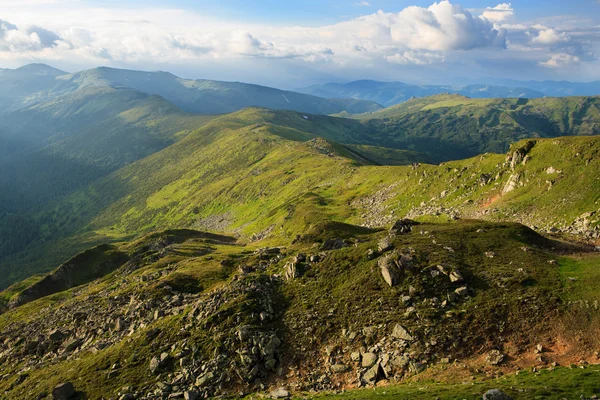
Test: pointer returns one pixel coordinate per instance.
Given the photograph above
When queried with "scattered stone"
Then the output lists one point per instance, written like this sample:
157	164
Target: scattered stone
64	391
496	394
461	291
495	357
190	395
291	271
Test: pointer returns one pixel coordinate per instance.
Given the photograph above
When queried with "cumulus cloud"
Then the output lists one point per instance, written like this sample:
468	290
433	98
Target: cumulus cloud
500	13
549	36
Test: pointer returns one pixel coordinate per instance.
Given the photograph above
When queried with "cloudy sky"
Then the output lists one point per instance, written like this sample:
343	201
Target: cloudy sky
295	43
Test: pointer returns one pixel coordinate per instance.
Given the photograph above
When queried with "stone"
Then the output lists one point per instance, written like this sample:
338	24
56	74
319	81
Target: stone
280	393
190	395
385	244
494	357
461	291
205	379
355	356
496	394
368	360
339	368
400	333
119	325
155	364
402	226
389	271
72	345
370	376
64	391
291	271
456	276
56	336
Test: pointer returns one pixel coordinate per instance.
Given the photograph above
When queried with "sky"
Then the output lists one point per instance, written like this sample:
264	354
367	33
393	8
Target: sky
293	43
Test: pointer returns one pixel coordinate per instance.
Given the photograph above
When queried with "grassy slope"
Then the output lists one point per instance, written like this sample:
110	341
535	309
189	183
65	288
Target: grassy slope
455	127
250	175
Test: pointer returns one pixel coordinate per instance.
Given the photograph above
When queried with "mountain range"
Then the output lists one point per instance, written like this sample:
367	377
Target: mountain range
392	93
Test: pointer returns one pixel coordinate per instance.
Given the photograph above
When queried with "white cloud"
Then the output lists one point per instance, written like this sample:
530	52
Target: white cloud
549	36
365	4
415	57
500	13
561	60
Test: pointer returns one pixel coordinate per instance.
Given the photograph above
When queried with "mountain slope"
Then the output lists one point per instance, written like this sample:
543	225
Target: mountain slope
392	93
60	145
455	127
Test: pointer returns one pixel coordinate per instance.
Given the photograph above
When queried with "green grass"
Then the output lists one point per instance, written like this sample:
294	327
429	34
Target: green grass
570	383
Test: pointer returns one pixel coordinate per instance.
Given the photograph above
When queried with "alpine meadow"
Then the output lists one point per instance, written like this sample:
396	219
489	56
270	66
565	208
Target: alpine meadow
319	200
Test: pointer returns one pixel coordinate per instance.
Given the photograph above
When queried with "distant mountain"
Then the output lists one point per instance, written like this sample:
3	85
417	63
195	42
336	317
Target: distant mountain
557	88
37	82
391	93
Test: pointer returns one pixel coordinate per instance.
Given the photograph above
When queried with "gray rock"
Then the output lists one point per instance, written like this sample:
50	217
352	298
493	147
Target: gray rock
494	357
291	271
370	376
155	364
205	379
402	226
385	244
64	391
280	393
339	368
400	333
368	360
72	345
389	271
496	394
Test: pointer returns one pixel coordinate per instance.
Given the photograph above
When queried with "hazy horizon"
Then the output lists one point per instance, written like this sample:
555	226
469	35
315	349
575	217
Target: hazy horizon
300	44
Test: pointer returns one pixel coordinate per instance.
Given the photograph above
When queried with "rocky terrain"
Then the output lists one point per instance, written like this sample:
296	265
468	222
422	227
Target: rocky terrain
190	315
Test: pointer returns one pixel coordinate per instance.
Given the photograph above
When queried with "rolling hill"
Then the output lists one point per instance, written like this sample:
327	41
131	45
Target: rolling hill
392	93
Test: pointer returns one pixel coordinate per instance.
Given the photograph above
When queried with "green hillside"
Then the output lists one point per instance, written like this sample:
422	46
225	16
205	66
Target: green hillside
68	142
262	174
455	127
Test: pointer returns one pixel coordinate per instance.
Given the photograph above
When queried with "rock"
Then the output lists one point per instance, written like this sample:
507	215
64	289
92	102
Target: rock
461	291
385	244
119	325
494	357
456	276
155	365
539	349
300	257
64	391
190	395
280	393
402	226
370	376
355	356
56	336
389	271
333	244
496	394
400	333
72	345
368	360
339	368
205	379
291	271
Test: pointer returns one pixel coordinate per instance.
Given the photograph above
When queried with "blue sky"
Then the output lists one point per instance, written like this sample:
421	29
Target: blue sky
297	43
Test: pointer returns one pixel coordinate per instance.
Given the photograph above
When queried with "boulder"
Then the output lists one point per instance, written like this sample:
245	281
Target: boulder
368	360
291	271
64	391
190	395
400	333
496	394
402	226
370	376
389	271
339	368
